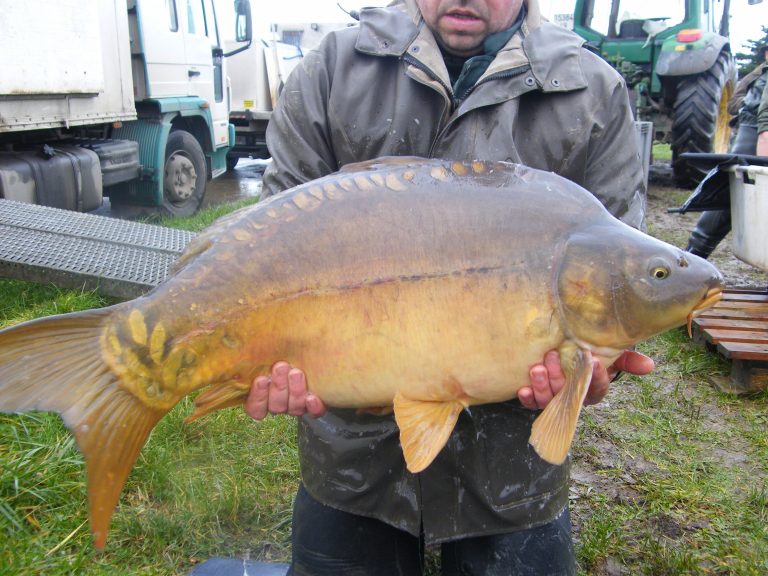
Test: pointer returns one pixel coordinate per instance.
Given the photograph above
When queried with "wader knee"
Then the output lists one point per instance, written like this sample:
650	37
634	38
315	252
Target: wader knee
711	228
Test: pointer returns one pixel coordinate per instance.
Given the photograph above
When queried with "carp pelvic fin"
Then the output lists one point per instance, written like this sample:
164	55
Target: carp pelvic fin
219	396
425	427
553	431
110	424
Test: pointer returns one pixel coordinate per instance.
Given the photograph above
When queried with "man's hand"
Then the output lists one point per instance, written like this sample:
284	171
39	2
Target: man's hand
762	144
284	391
547	379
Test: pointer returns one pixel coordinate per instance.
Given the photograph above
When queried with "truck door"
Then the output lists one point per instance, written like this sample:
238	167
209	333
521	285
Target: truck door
182	55
204	62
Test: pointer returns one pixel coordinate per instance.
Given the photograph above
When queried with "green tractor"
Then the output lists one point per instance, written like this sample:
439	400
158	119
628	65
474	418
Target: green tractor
677	60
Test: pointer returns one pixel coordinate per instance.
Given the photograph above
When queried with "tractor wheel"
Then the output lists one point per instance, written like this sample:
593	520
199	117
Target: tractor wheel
700	121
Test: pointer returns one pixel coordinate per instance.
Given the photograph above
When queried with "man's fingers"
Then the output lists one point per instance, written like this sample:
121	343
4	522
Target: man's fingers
541	385
526	398
278	391
555	372
598	387
315	406
634	363
297	392
256	404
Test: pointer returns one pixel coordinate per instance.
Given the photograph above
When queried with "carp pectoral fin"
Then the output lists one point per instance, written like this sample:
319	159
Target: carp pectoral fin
553	431
55	364
219	396
424	428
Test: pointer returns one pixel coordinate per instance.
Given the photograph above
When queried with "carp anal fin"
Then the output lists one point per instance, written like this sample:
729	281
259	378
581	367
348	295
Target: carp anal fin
425	427
219	396
55	364
553	431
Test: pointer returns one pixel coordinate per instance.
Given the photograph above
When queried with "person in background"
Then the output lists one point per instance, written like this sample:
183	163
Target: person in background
461	80
714	225
762	116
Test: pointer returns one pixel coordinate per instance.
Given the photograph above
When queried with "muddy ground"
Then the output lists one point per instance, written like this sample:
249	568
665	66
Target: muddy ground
602	468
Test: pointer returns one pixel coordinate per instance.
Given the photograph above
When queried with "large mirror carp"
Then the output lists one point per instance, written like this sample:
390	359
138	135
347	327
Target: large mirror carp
424	285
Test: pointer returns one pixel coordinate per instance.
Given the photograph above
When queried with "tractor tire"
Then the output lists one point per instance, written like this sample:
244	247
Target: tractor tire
185	177
700	119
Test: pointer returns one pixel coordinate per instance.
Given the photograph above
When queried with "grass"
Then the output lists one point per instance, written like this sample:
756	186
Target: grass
669	477
661	152
677	472
220	486
203	218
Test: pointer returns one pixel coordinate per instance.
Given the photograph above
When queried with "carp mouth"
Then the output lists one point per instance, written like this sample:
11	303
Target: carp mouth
711	298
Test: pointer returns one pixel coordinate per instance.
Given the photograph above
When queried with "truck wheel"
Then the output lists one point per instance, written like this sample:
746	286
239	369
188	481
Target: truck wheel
232	162
700	118
184	178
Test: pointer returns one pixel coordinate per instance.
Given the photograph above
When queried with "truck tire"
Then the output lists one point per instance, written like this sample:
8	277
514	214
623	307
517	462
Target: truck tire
184	176
700	120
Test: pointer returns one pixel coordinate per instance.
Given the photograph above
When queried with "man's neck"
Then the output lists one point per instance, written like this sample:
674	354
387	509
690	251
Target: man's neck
464	71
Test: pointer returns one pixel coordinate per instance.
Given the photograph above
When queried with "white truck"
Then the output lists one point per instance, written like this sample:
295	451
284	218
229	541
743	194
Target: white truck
257	76
120	98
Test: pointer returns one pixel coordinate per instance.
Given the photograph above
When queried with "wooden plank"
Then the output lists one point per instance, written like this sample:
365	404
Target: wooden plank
745	297
726	323
738	326
743	351
731	313
724	335
740	304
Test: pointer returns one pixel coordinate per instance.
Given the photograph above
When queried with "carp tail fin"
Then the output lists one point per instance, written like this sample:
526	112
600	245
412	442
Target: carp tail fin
55	364
425	427
553	431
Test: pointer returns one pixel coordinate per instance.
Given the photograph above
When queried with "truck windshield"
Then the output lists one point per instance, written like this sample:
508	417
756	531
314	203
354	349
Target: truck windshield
634	18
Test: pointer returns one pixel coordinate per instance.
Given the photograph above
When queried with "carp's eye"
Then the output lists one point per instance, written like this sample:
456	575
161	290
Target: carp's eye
659	272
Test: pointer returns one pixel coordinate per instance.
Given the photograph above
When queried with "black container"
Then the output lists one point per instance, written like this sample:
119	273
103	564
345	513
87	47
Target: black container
62	176
119	159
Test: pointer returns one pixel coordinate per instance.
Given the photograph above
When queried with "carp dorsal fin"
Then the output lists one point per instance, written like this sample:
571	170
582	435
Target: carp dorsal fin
383	163
553	431
425	427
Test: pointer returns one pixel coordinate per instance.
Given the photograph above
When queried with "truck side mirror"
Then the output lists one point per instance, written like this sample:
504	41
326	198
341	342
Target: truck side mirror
243	25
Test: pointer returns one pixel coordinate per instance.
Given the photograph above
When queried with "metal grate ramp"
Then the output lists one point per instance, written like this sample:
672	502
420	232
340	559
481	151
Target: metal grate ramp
118	257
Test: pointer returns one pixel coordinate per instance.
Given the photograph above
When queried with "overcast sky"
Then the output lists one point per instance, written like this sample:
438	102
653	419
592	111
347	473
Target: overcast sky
745	19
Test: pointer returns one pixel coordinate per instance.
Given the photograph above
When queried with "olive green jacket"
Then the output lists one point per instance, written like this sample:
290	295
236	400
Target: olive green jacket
382	89
734	103
762	110
749	110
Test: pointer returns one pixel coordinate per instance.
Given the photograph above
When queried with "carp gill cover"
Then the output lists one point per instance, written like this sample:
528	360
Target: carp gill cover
424	285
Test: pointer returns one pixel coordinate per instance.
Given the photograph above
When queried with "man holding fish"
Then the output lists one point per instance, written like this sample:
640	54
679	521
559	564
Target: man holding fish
461	80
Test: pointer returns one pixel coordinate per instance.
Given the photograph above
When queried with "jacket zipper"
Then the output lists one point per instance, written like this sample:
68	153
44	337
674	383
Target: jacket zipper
408	59
497	76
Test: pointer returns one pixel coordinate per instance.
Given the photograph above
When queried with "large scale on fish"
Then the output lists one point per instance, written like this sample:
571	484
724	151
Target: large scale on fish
423	285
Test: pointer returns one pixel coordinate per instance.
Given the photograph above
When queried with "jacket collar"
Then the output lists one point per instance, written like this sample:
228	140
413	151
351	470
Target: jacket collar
552	52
